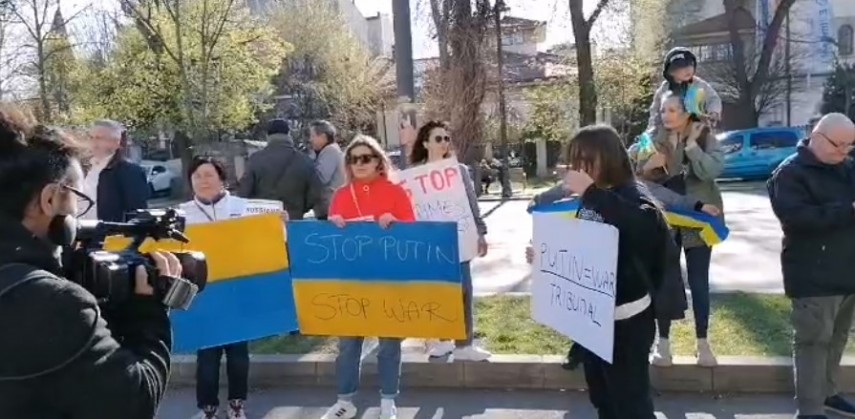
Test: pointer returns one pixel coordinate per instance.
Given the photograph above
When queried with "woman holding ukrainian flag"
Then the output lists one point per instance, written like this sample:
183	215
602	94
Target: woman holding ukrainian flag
212	202
685	157
368	195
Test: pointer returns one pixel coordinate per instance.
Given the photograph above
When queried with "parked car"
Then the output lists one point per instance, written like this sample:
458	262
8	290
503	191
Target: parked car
159	177
754	153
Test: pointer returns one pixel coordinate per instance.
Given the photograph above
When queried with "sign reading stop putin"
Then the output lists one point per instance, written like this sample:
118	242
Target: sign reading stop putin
438	194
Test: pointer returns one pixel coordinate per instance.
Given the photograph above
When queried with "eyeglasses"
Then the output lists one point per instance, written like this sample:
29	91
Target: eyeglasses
87	202
441	138
843	147
361	159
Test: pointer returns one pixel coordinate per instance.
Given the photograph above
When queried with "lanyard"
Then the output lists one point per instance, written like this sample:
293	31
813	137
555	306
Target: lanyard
356	201
208	216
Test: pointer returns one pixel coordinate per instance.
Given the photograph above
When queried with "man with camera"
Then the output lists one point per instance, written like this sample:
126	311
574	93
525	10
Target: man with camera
60	357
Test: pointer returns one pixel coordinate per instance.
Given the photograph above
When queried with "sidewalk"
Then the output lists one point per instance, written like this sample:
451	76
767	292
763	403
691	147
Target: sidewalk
311	403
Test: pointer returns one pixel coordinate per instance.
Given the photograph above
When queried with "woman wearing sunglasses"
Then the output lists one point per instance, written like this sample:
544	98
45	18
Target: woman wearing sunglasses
433	144
368	195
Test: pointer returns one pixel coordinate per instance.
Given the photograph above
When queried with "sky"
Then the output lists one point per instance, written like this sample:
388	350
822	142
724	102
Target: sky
554	12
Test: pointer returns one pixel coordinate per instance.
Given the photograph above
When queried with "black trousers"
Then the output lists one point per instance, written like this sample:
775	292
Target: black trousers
208	373
621	390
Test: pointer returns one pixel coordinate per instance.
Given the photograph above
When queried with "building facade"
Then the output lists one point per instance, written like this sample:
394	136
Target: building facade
818	34
374	32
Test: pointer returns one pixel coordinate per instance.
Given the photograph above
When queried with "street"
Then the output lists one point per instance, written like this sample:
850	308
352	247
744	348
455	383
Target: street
311	403
747	261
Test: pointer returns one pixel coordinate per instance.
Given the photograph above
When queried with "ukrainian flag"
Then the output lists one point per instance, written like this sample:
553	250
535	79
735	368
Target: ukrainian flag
711	229
249	293
362	280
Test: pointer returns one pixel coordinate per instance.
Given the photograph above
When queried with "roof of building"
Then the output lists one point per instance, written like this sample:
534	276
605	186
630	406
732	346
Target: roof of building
719	23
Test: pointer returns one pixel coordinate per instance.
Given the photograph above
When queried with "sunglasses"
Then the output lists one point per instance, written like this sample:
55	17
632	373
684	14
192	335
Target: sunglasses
442	138
842	147
361	159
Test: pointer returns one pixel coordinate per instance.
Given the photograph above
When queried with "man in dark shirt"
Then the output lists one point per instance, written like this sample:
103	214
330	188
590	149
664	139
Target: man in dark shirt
61	358
813	196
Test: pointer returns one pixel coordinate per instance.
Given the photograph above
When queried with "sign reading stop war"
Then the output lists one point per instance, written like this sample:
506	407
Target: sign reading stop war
362	280
438	194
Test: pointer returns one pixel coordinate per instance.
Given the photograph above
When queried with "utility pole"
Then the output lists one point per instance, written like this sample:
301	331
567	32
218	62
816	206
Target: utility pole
507	192
404	67
788	65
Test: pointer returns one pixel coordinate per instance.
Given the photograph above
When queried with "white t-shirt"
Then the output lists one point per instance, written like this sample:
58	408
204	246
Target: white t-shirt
90	187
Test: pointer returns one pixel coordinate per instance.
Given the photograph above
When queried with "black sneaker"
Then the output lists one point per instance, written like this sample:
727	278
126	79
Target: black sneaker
841	406
811	417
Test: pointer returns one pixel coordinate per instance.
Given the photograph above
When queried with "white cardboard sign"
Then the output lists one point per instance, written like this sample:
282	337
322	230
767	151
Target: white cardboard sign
438	194
574	279
261	206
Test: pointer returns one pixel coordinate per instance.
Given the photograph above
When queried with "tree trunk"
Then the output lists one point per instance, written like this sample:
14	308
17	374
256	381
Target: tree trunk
584	63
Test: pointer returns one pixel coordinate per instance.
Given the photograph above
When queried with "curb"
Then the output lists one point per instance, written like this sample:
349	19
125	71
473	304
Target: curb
733	375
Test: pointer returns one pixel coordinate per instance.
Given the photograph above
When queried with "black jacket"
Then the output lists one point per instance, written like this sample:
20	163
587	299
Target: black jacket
282	173
643	237
52	332
122	188
813	202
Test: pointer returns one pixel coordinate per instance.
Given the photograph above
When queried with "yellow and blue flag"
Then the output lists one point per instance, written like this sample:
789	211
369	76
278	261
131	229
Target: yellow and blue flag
249	293
712	230
362	280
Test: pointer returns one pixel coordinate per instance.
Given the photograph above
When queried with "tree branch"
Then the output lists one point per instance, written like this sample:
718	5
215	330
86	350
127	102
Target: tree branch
601	5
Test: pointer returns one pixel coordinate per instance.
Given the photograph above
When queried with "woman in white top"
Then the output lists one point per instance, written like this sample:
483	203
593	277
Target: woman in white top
212	202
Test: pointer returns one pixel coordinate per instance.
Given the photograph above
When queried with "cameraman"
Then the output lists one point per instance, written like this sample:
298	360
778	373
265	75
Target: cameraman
60	359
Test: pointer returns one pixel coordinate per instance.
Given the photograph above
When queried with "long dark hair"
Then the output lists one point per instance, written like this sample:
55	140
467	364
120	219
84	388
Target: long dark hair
601	145
419	154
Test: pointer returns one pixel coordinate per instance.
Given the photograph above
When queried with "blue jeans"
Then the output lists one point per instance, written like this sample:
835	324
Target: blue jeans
347	366
698	272
466	283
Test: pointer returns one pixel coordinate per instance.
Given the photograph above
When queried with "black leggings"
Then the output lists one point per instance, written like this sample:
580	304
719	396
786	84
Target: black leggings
621	390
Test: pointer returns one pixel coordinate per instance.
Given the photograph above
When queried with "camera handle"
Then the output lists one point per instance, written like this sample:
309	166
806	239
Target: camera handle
180	294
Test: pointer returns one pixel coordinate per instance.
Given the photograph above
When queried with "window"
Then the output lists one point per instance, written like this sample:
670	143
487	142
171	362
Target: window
845	40
731	144
773	139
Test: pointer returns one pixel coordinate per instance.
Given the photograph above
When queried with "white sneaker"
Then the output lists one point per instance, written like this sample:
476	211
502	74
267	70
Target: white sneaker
441	349
209	412
236	410
662	354
706	357
388	409
471	353
342	409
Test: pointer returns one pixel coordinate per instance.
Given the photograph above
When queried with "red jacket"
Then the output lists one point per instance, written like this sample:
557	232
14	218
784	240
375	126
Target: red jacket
372	199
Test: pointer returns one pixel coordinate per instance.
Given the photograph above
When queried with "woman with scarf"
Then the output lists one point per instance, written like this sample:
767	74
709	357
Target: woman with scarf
433	144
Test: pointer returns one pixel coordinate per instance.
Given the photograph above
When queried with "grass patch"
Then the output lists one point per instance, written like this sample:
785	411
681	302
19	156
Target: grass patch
742	324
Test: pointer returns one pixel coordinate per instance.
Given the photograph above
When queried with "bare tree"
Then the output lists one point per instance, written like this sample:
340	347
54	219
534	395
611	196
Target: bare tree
768	95
39	19
584	58
754	74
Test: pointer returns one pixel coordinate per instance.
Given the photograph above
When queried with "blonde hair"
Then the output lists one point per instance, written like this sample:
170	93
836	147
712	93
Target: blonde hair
360	140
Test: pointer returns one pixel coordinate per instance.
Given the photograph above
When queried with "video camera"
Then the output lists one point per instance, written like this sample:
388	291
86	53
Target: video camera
109	276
